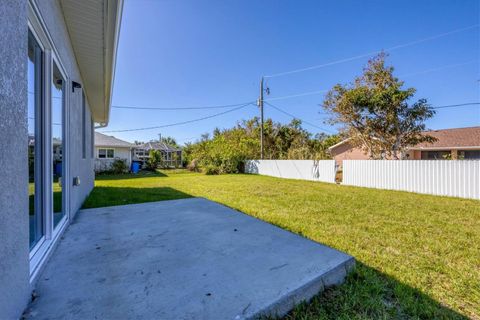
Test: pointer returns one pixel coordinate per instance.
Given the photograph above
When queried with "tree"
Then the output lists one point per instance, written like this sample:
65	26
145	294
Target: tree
376	114
154	160
170	141
227	149
321	143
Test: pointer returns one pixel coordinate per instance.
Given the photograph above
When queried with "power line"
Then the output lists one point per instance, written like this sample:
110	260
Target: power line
295	117
297	95
183	122
457	105
436	69
437	107
364	55
308	93
183	108
325	113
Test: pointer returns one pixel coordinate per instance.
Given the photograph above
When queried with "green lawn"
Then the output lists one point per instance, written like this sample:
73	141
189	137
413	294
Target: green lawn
57	197
418	256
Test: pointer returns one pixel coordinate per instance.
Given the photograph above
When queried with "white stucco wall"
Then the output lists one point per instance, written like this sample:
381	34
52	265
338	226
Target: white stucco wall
79	166
102	164
14	235
15	285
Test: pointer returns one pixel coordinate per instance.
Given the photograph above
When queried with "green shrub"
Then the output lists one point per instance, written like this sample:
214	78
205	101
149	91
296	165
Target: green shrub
155	160
211	169
119	166
228	149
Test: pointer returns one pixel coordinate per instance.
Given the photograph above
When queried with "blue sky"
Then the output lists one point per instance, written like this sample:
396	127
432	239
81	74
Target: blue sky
194	53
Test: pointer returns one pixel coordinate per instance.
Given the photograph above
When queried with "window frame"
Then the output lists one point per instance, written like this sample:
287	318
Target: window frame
467	154
84	127
65	152
40	251
435	154
38	144
106	153
92	138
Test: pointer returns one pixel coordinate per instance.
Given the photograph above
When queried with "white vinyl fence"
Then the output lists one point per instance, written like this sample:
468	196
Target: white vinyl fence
456	178
313	170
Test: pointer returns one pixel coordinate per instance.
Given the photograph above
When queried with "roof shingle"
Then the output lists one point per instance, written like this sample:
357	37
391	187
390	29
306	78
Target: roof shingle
453	138
102	140
155	145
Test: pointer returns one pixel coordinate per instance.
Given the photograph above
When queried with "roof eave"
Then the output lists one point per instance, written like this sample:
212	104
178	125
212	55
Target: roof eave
113	23
338	144
446	148
94	29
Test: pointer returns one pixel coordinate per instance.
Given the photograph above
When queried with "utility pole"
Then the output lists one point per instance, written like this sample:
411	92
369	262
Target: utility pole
260	105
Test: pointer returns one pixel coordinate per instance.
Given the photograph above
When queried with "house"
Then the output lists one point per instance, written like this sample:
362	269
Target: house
171	156
456	143
109	149
56	76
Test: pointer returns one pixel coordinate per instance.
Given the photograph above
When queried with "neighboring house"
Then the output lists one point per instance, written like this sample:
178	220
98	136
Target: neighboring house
456	143
171	156
109	149
56	75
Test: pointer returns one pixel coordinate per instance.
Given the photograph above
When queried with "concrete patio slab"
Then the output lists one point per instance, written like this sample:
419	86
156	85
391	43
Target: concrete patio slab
180	259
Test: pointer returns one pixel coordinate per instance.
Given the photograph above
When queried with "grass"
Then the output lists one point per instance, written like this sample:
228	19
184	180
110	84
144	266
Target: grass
418	256
57	197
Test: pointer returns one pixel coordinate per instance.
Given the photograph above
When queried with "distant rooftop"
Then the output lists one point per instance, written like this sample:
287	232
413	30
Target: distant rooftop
453	138
446	138
156	145
102	140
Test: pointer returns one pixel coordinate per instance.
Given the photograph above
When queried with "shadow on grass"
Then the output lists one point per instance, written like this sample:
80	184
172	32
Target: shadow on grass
113	196
141	174
370	294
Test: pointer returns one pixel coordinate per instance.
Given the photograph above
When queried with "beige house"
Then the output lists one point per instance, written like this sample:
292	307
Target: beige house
456	143
108	149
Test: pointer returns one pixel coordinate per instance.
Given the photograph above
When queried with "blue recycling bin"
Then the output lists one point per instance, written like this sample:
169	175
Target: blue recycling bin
58	169
135	167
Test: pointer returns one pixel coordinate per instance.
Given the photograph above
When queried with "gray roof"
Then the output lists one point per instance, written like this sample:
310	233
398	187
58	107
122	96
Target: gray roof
155	145
102	140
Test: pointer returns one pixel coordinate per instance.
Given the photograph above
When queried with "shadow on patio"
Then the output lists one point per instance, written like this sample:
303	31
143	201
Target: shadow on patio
113	196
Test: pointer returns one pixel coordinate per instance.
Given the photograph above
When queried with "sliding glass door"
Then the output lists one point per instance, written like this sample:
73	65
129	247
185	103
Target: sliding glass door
34	120
58	167
48	87
46	115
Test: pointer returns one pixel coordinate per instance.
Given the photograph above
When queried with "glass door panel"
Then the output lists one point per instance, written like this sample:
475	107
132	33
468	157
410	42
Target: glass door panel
58	99
34	123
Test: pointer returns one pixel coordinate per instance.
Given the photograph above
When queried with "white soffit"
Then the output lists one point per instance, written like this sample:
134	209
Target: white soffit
93	26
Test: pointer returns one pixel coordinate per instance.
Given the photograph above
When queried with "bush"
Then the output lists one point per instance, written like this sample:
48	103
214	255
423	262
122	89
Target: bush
155	160
211	170
119	166
227	150
193	166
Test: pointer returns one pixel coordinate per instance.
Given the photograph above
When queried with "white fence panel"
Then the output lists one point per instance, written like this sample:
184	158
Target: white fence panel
313	170
455	178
